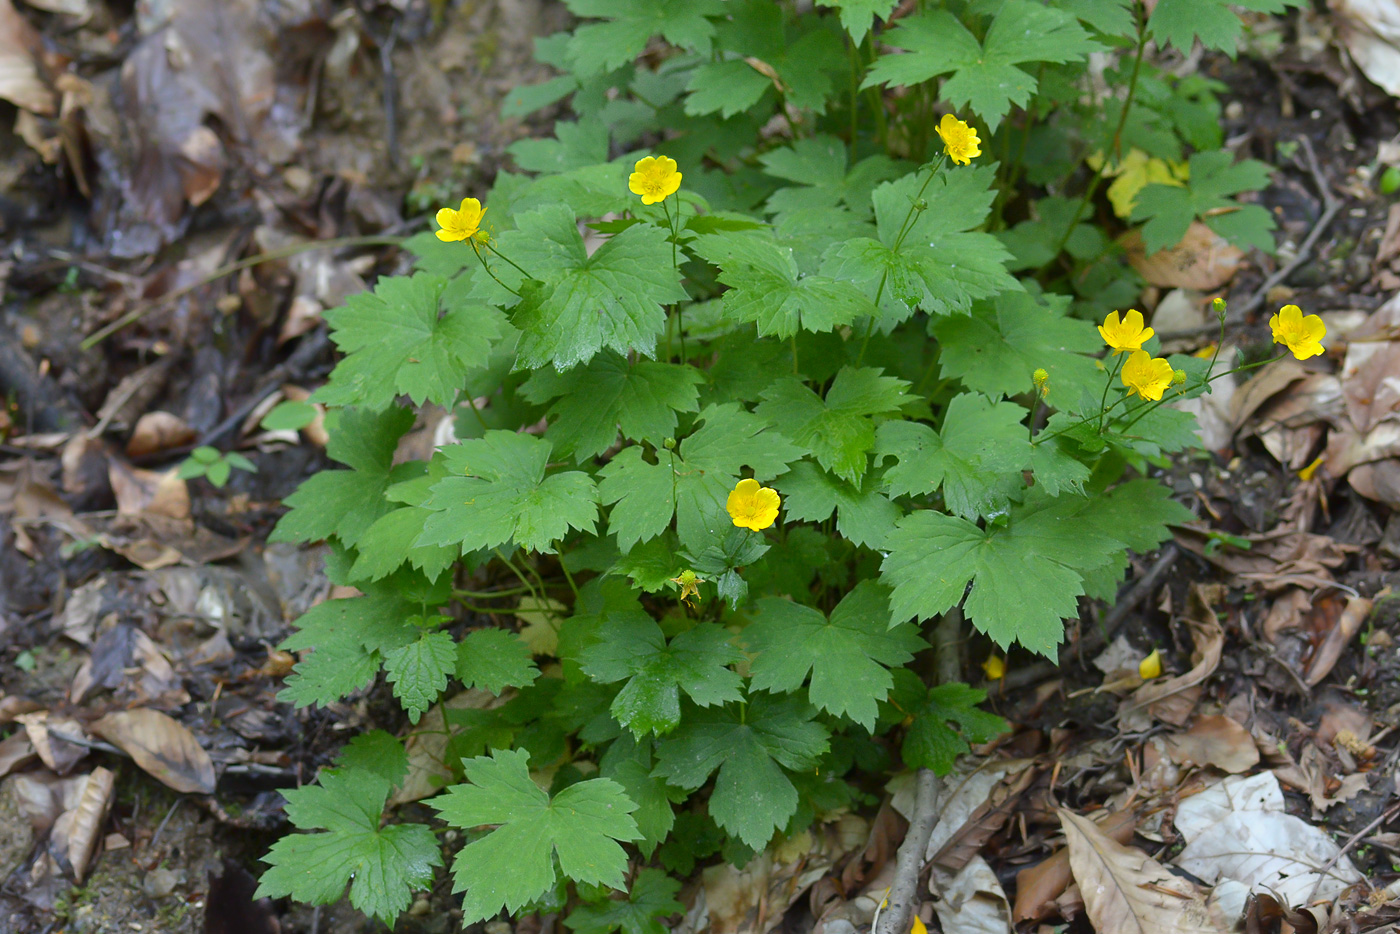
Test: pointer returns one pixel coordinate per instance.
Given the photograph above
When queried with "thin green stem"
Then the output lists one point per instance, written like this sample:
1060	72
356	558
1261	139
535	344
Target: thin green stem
1103	400
517	266
487	266
680	312
568	577
520	575
481	420
488	594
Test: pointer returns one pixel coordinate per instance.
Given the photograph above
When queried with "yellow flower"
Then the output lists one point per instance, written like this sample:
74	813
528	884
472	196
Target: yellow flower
655	179
960	141
461	224
689	583
994	667
1129	334
1146	375
752	506
1302	335
1151	666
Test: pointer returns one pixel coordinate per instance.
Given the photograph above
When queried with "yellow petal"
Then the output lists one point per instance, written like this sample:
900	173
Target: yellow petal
1151	666
994	667
918	927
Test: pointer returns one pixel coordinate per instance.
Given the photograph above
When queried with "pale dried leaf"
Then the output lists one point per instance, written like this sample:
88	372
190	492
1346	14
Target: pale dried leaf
973	901
1216	741
158	431
1202	261
162	746
20	83
55	751
1125	891
15	751
1370	30
1172	700
1348	625
146	492
1038	887
75	833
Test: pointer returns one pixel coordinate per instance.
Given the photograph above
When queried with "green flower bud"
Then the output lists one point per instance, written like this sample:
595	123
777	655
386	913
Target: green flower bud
1178	377
921	205
1217	305
669	444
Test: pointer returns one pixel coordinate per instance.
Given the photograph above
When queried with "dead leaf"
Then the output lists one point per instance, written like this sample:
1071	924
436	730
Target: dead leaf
20	83
1370	30
1348	625
1285	613
146	492
1272	379
75	833
973	901
1370	381
1202	261
56	752
158	431
1238	830
1126	890
985	819
1039	886
1215	741
1172	700
1315	776
15	751
162	746
1274	560
427	745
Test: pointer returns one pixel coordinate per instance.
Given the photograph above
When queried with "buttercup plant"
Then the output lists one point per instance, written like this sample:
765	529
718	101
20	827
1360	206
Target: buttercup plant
827	369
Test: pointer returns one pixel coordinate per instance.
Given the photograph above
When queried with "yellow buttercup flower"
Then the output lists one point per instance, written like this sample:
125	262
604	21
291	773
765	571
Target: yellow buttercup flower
654	178
994	667
461	224
1146	375
1302	335
752	506
960	141
1128	334
1151	666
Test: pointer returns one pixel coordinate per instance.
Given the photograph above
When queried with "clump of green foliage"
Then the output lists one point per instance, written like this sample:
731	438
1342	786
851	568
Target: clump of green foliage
900	346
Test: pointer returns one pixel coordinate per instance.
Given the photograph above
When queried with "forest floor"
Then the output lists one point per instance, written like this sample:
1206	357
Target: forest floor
133	179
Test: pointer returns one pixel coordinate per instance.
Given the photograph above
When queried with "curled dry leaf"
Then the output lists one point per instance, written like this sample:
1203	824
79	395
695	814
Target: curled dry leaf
158	431
1125	890
162	746
1370	30
973	901
56	752
145	492
1172	700
76	832
20	83
15	751
1348	625
1039	886
1202	261
1215	741
983	821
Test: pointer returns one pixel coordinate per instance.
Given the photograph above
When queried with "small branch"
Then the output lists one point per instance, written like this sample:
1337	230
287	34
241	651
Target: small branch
909	862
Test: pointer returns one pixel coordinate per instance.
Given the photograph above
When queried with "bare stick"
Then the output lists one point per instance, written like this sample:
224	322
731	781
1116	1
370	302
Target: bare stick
909	861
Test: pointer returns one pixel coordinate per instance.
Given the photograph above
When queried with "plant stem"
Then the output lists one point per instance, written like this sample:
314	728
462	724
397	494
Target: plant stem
534	594
486	266
517	266
680	312
1103	400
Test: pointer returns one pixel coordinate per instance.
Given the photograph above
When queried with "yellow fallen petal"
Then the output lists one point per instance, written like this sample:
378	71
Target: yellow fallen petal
1151	666
1307	472
995	667
918	927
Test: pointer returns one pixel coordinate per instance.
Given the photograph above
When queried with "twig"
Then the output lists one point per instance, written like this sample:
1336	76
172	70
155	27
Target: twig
1331	205
909	861
1346	847
168	814
1102	634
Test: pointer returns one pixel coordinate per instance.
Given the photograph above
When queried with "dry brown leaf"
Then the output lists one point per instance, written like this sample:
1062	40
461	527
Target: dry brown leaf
1285	613
427	745
973	901
1271	380
12	705
162	746
1216	741
15	751
1275	560
985	820
1370	30
1172	700
1202	261
158	431
75	833
1348	625
1369	382
1039	886
145	492
1378	481
1348	448
57	753
1125	891
20	83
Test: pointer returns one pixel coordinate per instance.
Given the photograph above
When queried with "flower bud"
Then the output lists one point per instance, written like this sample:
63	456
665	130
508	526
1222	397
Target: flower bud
1217	305
921	205
1040	377
1178	377
669	444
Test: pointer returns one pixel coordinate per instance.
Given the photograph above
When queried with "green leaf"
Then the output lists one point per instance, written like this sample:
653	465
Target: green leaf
345	637
396	342
377	752
631	646
576	145
345	503
1027	574
584	303
653	897
289	416
750	746
864	515
706	467
997	348
932	743
1208	194
816	166
418	671
767	288
839	431
607	394
385	863
495	659
848	656
393	539
976	459
506	497
600	47
1182	22
858	16
727	88
514	863
629	763
937	265
984	77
